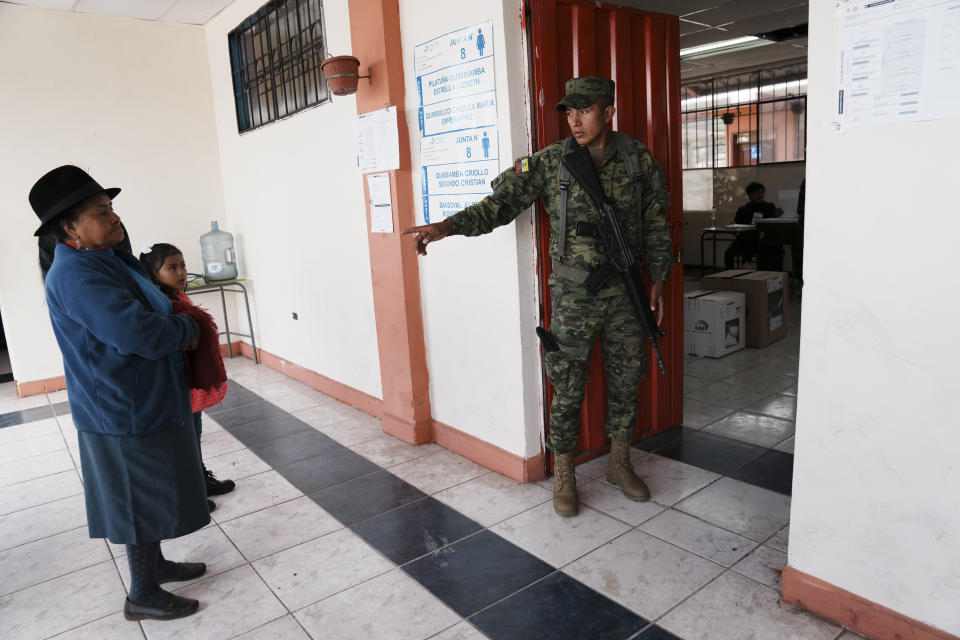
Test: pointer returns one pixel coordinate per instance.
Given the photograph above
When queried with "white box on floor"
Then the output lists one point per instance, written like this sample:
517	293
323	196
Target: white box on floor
713	322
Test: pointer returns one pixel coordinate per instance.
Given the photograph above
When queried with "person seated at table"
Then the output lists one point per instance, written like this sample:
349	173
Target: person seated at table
745	244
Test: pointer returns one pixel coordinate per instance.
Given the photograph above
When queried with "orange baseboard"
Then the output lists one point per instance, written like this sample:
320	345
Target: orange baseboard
47	385
488	455
852	611
354	397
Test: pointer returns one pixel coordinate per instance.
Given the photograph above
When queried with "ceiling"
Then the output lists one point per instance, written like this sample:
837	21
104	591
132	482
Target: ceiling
701	22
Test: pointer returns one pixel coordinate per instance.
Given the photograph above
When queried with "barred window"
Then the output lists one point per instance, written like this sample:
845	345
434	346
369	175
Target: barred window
747	119
275	58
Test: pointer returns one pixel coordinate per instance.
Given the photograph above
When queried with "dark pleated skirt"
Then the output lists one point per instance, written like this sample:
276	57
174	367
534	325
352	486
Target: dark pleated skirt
143	489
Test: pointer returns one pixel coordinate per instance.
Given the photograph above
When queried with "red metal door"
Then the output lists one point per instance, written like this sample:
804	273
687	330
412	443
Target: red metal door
640	51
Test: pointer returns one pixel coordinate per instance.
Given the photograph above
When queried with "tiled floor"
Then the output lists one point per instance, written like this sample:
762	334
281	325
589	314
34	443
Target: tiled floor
338	531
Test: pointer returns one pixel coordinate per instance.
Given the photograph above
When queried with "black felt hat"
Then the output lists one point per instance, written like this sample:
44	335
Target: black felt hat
57	191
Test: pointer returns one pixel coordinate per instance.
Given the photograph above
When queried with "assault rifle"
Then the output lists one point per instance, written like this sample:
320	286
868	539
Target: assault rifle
620	260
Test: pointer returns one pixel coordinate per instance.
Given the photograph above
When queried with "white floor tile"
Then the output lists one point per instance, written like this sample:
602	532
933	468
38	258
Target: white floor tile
392	606
702	538
733	608
242	463
62	604
462	631
711	369
670	480
726	395
438	471
39	491
331	413
558	540
285	628
611	501
32	447
780	540
756	429
743	508
319	568
254	493
27	431
42	521
388	451
217	443
21	404
41	560
280	527
112	627
761	381
697	415
38	466
292	396
786	446
352	430
778	406
231	603
764	565
492	498
644	574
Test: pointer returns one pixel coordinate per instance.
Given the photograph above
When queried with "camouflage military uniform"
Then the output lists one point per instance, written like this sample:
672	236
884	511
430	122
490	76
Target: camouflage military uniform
579	317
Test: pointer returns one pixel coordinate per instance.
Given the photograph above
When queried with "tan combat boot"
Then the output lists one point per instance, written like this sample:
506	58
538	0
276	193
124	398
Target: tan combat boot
566	500
620	473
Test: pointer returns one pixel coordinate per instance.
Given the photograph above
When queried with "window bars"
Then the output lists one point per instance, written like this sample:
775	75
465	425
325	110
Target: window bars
275	58
746	119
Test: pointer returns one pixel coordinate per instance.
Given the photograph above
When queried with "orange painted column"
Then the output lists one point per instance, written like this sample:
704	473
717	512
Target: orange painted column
375	36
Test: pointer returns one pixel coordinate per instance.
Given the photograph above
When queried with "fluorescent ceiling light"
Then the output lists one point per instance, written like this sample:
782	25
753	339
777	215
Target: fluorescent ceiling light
723	46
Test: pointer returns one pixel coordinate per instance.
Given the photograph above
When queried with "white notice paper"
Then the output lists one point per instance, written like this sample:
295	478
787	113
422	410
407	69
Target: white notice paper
378	142
381	205
899	61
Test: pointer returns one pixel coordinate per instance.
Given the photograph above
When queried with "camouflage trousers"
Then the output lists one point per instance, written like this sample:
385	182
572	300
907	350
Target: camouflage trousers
577	319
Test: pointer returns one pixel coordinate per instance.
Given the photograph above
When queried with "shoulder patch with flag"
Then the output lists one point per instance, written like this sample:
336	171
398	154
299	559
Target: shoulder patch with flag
522	165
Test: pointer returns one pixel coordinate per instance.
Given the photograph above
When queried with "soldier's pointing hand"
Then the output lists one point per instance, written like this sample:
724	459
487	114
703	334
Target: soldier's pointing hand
428	233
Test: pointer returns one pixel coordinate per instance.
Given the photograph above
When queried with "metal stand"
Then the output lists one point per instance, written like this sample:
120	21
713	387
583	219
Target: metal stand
206	287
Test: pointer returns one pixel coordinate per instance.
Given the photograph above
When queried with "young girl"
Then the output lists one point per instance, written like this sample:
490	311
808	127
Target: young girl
168	270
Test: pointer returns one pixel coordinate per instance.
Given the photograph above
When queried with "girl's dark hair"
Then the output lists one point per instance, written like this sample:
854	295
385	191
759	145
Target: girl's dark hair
754	187
154	259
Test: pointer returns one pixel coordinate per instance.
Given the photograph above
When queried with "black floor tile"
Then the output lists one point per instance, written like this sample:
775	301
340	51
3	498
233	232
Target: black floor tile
319	472
246	414
415	529
267	429
366	496
657	633
305	444
61	408
237	396
711	452
558	607
476	572
773	470
664	438
14	418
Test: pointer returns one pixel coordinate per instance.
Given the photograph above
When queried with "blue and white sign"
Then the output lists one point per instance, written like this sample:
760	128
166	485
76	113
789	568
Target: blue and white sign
459	142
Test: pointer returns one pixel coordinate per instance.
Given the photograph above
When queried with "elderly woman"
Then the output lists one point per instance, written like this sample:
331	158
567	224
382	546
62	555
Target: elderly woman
142	475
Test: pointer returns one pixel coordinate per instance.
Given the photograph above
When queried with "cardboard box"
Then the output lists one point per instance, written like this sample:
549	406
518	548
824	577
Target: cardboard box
713	323
767	300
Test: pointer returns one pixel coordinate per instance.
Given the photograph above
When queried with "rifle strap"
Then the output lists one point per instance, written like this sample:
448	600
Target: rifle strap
628	150
563	178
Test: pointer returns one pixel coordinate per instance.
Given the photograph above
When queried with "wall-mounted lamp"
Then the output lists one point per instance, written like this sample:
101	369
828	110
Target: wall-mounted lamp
342	74
728	118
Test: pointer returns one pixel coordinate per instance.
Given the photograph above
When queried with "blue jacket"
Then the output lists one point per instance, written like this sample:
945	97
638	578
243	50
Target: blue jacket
120	352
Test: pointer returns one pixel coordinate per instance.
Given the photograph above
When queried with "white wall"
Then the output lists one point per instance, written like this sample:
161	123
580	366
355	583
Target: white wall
294	201
479	294
127	100
875	508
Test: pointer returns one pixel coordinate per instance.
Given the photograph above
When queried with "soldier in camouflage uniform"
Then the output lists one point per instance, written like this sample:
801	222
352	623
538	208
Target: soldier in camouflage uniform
579	317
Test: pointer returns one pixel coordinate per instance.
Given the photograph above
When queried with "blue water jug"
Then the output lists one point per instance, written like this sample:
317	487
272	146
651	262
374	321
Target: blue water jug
219	258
